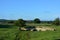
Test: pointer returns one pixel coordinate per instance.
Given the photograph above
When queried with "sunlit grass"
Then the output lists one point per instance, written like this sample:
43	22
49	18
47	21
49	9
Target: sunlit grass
10	34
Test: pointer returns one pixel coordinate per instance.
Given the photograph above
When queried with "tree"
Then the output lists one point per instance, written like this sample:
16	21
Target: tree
36	20
56	21
20	23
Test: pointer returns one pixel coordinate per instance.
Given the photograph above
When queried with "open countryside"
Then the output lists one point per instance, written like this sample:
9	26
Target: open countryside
29	19
9	30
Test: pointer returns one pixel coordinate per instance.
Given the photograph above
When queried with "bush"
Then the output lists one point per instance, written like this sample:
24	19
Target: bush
56	21
20	23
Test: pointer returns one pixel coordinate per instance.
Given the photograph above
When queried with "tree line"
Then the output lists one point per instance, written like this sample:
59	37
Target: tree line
21	22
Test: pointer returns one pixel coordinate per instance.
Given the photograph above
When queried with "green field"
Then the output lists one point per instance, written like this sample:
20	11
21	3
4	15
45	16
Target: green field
47	35
12	33
8	33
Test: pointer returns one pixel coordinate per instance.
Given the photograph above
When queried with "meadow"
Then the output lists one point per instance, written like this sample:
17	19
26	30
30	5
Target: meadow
7	32
44	35
13	33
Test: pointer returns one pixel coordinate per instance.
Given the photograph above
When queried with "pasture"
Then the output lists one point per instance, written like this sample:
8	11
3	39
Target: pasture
7	33
43	35
12	33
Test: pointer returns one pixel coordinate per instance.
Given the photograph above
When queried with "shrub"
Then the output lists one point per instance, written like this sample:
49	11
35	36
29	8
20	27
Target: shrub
20	23
56	21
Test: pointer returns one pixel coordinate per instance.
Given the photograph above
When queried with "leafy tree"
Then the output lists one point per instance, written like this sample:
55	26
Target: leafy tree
20	23
36	20
56	21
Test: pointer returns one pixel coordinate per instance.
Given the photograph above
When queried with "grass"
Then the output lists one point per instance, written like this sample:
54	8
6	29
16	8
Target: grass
47	35
10	34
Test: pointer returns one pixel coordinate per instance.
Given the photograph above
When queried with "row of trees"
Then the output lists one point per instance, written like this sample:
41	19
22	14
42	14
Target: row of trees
21	22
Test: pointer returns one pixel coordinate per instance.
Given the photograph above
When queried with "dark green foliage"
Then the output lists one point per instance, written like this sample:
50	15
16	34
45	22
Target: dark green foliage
56	21
6	26
49	22
20	23
11	22
37	20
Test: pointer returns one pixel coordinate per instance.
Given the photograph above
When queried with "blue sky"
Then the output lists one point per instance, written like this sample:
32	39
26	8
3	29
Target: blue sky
29	9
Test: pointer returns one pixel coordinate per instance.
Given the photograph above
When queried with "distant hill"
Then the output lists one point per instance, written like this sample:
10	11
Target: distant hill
2	20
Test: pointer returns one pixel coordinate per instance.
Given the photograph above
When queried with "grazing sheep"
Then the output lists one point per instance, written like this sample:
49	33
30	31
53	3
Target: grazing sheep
40	29
37	29
23	29
44	29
